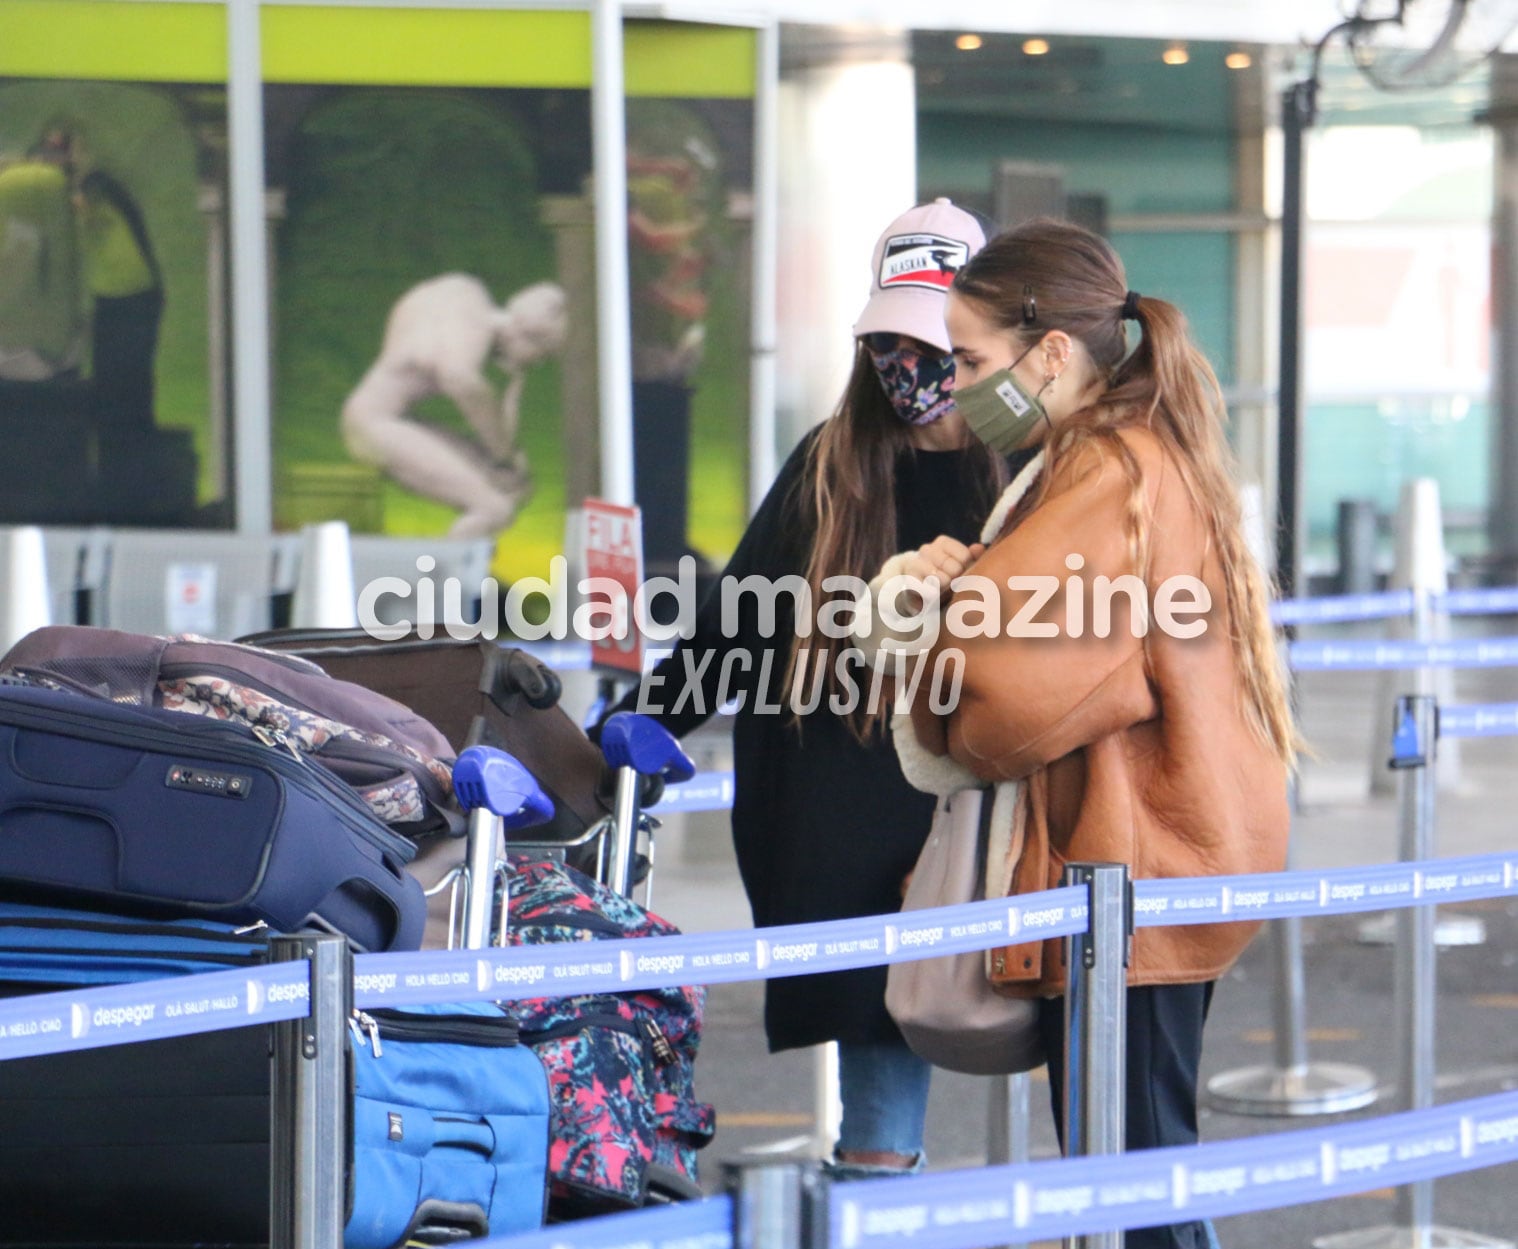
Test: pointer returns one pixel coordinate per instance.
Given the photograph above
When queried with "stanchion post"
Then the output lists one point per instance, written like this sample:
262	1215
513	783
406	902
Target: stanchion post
1421	567
827	1108
1414	756
777	1205
1007	1123
308	1108
1096	1022
1291	1085
1414	752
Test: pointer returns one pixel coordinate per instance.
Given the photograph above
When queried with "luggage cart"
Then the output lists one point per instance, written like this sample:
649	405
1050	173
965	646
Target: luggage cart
481	694
487	781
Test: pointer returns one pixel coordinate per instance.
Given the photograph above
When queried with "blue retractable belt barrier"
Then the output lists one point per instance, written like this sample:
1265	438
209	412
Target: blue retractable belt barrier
1479	720
1339	891
1478	602
49	1023
1070	1196
69	1020
566	656
705	791
713	957
1371	654
573	655
1342	607
1045	1200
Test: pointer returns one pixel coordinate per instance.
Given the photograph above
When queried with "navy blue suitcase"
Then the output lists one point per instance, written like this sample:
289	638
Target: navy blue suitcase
129	808
166	1142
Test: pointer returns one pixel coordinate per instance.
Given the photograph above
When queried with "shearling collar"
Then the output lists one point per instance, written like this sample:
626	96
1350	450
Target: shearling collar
1011	497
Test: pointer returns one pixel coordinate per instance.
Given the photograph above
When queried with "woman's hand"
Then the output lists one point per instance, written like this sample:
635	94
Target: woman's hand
944	558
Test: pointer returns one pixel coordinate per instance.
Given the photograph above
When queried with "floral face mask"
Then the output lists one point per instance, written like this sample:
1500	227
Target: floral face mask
919	383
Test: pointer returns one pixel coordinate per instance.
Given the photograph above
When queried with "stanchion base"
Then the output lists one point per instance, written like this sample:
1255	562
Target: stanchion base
1313	1089
1409	1238
1449	931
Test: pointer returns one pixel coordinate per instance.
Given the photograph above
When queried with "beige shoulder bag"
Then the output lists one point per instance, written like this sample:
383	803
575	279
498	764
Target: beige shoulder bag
945	1007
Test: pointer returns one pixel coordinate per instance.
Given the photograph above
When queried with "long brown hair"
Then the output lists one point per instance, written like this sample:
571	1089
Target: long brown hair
1051	275
850	507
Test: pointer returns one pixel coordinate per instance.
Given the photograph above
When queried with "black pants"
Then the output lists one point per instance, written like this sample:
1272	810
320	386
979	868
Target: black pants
1164	1053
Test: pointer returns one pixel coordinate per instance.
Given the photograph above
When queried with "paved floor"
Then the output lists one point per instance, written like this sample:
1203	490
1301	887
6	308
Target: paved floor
764	1100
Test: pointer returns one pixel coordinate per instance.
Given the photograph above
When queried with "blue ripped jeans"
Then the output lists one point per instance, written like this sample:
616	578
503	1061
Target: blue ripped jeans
884	1089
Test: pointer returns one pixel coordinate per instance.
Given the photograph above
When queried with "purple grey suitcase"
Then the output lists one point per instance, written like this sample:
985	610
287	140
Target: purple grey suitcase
134	808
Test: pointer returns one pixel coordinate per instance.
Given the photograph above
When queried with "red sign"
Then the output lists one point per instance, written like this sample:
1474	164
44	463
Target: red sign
613	553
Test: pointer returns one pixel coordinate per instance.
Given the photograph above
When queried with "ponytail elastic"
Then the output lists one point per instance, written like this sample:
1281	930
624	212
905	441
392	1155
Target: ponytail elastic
1130	309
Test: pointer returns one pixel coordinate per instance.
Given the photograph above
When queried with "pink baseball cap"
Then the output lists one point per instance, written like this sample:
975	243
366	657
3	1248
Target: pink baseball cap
914	262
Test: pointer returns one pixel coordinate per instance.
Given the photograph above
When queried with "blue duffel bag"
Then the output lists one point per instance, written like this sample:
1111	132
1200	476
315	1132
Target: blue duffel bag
449	1123
450	1126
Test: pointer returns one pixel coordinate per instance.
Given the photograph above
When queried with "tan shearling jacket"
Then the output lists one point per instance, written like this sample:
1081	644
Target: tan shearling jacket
1131	748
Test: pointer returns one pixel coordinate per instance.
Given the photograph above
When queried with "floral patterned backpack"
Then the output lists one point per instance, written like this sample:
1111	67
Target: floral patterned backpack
622	1107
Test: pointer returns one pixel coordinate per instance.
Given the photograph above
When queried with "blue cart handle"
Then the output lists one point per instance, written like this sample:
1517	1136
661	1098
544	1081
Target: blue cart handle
630	740
487	778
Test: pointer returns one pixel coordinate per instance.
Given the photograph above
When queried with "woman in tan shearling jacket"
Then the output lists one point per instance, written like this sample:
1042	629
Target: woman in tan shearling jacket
1164	744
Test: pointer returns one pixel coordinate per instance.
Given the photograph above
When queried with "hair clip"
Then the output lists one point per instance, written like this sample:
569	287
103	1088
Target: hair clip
1030	305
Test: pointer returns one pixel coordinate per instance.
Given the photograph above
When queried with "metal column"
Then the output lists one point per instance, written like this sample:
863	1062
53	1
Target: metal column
1503	117
777	1205
1291	1084
252	470
766	247
308	1111
613	312
1298	106
1096	1023
1007	1122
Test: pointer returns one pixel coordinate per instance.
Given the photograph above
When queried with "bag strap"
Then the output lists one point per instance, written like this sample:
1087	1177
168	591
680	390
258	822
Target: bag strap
987	796
1003	827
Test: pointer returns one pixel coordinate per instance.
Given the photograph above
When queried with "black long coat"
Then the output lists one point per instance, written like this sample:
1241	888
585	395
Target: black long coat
824	827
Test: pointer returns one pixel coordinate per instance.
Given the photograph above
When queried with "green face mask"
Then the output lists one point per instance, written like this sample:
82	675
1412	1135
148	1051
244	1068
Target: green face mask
1000	411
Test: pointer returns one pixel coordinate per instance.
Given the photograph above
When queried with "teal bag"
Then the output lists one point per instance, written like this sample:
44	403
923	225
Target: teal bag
450	1127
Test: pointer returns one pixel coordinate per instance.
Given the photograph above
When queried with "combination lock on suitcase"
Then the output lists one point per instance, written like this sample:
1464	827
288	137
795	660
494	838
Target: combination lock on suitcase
135	808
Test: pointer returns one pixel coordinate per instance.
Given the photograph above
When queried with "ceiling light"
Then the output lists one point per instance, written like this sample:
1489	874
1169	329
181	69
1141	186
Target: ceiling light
968	43
1238	60
1036	47
1176	54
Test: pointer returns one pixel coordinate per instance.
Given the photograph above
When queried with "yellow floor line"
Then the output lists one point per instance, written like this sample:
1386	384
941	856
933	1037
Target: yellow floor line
1499	1001
764	1119
1264	1036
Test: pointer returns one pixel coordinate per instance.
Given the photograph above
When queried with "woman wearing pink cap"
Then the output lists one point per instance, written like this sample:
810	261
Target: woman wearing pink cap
824	824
